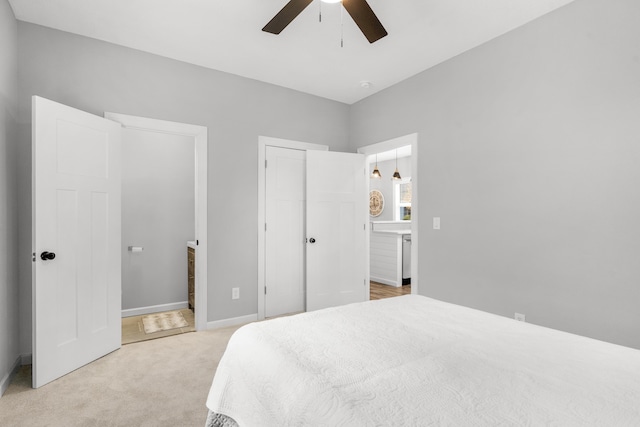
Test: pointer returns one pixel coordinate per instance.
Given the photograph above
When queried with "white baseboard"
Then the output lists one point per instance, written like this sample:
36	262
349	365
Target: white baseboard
6	379
154	309
217	324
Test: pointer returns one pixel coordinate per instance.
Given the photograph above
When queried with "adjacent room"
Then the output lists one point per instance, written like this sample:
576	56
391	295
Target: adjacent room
330	212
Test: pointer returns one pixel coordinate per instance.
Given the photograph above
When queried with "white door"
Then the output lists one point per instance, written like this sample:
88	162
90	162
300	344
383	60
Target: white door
336	229
284	237
76	239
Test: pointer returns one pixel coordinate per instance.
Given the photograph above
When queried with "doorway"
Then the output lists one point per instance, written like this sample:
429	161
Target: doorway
175	134
387	150
294	151
332	239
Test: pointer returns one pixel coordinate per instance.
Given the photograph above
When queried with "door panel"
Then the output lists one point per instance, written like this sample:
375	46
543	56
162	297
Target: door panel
81	150
76	215
99	269
284	237
336	229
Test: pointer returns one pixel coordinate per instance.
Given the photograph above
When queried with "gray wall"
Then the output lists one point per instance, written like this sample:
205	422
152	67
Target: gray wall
95	76
385	184
9	351
158	214
529	151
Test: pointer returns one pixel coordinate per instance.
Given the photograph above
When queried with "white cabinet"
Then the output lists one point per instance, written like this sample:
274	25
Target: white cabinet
386	256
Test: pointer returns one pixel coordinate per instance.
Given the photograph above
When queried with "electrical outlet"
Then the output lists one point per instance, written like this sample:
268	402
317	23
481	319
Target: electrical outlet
519	317
436	223
235	293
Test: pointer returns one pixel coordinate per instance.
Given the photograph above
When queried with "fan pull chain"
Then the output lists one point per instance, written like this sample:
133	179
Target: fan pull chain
341	25
320	11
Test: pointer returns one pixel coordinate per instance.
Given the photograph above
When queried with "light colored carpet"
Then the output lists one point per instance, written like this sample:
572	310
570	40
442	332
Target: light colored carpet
129	387
163	322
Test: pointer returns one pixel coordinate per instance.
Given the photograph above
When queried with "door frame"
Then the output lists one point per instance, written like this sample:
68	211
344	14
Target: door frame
199	133
391	144
263	142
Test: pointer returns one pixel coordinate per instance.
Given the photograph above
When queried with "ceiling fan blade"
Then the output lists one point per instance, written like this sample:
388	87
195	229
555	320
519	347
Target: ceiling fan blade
364	17
286	15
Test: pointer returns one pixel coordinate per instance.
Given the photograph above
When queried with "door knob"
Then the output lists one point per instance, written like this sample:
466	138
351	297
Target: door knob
312	240
47	256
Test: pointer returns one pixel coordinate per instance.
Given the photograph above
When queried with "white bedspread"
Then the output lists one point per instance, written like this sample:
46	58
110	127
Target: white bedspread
415	361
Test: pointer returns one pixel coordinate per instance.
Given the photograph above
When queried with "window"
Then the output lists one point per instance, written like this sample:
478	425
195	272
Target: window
402	196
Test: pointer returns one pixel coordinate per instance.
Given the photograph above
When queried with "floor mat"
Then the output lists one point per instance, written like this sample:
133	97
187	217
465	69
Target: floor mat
163	322
133	329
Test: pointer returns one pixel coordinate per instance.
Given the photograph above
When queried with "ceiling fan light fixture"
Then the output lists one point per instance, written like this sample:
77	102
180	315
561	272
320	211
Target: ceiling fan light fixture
359	10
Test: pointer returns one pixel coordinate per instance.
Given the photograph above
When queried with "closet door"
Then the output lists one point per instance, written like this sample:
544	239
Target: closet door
285	233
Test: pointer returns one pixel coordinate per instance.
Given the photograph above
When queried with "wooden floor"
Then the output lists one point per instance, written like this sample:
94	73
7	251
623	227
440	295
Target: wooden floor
380	291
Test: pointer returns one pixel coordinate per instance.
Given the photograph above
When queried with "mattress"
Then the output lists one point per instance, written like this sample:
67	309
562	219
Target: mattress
416	361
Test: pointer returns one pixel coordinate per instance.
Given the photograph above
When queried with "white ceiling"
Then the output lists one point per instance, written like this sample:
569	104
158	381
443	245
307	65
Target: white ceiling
306	56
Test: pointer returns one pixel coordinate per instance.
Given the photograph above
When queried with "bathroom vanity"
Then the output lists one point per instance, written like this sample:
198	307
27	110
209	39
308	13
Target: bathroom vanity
191	274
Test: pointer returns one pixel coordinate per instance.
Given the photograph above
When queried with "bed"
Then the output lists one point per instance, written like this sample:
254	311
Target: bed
416	361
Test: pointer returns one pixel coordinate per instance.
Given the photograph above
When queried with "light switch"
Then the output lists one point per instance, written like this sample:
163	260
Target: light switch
436	223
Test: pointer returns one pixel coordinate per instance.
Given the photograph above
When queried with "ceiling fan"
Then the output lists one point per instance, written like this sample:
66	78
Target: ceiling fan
359	10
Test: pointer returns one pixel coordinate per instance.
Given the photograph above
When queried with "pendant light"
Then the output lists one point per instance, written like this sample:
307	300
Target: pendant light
396	175
376	172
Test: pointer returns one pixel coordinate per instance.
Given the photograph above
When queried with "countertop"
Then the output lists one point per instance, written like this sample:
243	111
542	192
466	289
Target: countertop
397	232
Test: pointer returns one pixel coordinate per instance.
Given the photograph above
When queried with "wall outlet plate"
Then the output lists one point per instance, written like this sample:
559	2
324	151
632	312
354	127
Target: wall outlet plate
235	293
519	317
